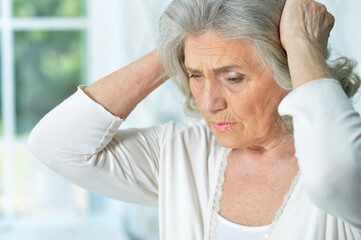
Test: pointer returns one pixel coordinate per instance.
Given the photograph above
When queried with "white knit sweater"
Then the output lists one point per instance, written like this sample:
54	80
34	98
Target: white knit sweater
176	167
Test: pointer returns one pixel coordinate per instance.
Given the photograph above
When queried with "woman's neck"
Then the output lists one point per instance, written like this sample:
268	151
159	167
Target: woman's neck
266	158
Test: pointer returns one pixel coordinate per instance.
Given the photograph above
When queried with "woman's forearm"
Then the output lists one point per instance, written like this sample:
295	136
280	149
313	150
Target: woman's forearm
122	90
306	63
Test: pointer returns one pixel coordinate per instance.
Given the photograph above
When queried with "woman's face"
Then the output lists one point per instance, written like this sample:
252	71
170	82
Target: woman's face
235	92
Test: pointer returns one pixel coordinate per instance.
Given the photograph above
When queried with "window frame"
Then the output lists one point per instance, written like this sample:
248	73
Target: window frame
96	52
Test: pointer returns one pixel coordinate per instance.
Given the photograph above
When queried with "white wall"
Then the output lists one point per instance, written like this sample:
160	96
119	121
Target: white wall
345	37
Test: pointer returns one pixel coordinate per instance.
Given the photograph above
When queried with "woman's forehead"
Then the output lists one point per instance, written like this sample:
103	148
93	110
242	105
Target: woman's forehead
211	48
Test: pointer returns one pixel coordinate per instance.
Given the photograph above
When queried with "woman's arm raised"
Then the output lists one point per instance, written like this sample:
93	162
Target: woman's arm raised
327	128
80	138
121	91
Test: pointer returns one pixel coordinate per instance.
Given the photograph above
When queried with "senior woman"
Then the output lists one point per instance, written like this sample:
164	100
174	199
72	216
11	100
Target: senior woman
278	154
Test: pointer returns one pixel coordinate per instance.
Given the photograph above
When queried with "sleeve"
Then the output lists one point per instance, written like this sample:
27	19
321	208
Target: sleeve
327	134
80	140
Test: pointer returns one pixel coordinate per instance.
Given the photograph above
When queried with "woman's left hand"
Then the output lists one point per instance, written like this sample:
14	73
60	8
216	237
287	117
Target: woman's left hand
305	20
304	31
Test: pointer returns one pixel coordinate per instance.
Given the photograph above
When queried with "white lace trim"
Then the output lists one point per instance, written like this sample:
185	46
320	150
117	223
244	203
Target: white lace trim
283	205
218	195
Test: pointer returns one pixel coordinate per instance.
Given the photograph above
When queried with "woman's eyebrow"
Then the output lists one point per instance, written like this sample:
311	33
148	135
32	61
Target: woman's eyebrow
227	68
220	69
192	70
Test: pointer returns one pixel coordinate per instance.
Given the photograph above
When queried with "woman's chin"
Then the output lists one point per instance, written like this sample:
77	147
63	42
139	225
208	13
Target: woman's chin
229	141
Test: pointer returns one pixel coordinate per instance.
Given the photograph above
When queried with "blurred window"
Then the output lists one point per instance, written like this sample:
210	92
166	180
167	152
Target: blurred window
45	61
42	61
48	48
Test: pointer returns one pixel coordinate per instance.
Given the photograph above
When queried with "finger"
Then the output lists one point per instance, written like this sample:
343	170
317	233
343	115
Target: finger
322	7
331	19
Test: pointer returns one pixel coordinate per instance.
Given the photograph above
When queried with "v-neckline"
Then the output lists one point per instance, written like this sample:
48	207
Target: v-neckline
217	194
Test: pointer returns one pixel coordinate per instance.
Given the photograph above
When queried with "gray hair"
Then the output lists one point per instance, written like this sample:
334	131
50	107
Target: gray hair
253	21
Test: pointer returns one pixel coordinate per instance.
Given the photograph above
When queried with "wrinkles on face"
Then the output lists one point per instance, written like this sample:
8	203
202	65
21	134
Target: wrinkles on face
250	103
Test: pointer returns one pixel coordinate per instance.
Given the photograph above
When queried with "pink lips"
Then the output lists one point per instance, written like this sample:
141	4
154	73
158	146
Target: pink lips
223	127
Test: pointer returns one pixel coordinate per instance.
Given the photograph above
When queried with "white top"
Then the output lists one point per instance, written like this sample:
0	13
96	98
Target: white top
176	167
227	230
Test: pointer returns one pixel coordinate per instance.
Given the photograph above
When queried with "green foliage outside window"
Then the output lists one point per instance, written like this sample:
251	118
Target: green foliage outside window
49	65
48	8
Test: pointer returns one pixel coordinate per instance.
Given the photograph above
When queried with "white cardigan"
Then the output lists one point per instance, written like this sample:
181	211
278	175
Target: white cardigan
176	167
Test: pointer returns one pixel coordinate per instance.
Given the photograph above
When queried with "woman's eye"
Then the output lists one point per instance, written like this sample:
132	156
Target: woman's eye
196	76
234	80
232	77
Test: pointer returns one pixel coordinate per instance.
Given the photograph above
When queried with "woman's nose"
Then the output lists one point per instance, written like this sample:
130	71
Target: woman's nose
213	99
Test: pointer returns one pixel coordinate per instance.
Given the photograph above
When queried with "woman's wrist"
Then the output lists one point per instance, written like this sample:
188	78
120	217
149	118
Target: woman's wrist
158	70
121	91
306	62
